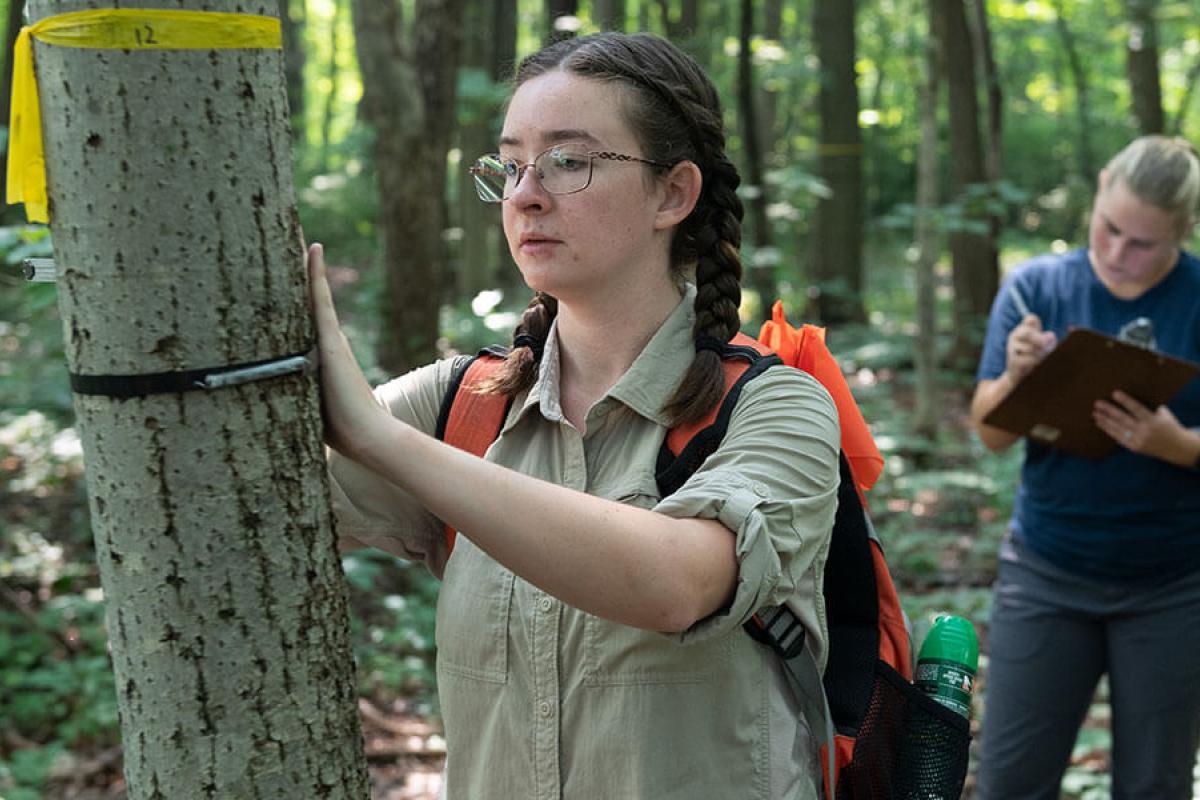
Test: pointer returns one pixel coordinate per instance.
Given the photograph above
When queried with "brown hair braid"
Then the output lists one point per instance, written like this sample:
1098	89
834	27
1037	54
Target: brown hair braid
675	113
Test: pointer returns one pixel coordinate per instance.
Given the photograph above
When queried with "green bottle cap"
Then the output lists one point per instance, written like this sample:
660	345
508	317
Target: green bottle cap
952	639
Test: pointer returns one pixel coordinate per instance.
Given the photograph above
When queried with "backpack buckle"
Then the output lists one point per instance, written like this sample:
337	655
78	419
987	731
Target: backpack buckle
778	628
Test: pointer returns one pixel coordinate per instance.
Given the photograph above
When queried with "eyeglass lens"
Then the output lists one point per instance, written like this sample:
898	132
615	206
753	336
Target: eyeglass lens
560	170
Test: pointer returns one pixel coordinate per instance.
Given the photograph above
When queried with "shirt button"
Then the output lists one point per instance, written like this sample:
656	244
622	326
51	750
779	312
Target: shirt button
546	603
544	708
760	490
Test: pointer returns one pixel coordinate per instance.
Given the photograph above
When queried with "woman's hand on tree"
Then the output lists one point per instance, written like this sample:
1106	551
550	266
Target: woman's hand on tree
351	411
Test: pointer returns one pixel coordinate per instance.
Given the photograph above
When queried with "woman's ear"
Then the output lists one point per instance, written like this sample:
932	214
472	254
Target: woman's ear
681	190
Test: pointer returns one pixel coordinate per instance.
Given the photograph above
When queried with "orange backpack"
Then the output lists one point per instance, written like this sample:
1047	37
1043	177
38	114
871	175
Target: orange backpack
861	707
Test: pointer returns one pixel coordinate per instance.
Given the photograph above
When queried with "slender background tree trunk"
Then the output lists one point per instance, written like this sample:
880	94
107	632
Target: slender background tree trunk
837	231
925	350
761	268
1087	158
412	112
976	261
291	12
609	15
178	248
12	28
556	10
1145	86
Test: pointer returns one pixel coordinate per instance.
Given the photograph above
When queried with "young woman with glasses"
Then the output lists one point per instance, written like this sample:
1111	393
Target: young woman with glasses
589	631
1100	572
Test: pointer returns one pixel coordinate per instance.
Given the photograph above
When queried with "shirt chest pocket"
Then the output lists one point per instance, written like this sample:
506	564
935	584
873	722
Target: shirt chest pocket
472	615
618	655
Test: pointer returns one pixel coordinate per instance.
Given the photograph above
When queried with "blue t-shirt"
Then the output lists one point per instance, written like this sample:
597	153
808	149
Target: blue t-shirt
1126	516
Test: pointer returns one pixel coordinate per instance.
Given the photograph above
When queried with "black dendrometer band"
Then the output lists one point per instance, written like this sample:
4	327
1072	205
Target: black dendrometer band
208	378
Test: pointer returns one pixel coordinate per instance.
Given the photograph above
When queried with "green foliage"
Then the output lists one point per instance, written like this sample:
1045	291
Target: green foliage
24	773
338	204
33	372
394	606
56	685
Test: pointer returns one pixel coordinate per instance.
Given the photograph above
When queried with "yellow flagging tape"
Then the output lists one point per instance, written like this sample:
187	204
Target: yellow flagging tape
108	29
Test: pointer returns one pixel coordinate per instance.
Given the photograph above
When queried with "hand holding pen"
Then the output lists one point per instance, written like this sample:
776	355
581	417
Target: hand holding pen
1027	343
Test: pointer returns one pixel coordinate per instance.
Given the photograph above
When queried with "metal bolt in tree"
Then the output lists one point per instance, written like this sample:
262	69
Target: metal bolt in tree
179	256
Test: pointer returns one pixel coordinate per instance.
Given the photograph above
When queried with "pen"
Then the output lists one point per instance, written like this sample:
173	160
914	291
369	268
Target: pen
1019	301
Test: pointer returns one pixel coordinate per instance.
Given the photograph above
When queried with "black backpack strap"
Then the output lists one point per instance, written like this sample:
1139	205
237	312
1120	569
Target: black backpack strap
851	608
673	469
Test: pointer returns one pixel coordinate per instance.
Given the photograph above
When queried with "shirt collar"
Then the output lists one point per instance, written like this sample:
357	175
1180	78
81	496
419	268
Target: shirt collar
646	385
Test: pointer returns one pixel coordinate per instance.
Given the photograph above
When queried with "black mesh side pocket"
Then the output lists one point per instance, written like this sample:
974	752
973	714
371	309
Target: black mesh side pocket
909	747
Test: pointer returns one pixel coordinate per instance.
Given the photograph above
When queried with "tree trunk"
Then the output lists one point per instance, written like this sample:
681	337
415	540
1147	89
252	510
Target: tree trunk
476	268
609	15
925	350
982	37
1145	88
1185	102
681	27
504	56
504	32
334	76
291	12
837	229
12	28
556	10
411	111
178	248
689	18
976	262
761	278
769	116
1087	159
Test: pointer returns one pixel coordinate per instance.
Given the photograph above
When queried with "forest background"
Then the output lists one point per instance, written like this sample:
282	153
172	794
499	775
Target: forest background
897	157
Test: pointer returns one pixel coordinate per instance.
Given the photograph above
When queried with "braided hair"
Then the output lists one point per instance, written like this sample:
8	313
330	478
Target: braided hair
675	114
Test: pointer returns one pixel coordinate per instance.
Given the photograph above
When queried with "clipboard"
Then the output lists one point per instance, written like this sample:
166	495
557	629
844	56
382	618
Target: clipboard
1052	405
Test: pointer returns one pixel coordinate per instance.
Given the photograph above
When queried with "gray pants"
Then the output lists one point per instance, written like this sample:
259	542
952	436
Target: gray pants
1052	635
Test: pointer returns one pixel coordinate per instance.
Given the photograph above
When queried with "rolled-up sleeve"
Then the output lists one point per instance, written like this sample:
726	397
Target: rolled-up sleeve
773	482
376	512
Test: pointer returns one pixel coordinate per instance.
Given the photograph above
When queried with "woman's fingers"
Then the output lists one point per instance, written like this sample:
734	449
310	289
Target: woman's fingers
320	295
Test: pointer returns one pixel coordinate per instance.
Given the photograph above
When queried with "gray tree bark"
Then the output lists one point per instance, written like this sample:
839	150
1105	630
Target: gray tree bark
178	248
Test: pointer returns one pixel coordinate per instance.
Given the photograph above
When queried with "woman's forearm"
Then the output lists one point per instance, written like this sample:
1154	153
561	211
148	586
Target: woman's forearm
620	562
988	395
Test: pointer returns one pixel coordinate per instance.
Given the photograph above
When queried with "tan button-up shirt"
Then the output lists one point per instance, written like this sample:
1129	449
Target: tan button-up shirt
543	701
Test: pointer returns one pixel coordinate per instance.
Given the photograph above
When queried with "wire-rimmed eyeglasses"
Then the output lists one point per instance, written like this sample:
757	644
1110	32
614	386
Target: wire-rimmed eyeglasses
561	169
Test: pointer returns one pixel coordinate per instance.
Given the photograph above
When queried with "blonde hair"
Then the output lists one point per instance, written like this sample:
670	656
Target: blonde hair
1163	171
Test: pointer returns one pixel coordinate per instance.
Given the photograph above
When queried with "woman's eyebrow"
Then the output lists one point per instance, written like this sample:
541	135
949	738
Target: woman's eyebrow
552	137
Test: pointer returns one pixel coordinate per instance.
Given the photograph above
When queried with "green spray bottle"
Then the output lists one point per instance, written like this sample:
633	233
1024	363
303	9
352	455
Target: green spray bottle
947	663
931	764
